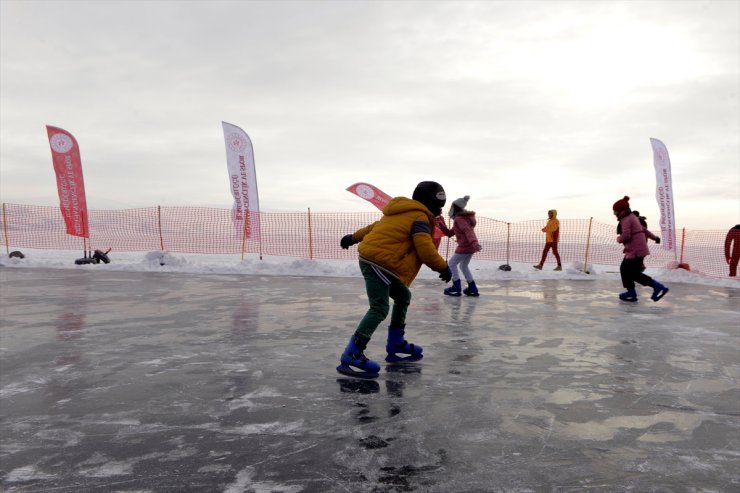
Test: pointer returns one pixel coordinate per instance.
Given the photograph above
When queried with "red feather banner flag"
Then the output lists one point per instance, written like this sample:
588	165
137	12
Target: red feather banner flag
370	193
65	154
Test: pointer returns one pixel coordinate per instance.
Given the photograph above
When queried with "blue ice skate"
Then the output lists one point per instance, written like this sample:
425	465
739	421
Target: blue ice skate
471	290
454	290
397	344
629	295
658	291
353	356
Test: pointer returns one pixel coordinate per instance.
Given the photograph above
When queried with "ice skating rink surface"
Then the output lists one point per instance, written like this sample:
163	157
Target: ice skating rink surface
151	382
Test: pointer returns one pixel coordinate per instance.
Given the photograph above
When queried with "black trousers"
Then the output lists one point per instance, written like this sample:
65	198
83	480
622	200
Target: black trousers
631	272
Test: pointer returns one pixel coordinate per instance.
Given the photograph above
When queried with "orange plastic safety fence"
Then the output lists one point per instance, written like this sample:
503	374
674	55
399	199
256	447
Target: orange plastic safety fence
704	251
316	236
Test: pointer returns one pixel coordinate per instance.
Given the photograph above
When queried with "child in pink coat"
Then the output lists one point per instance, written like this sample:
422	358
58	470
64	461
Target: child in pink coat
463	227
633	236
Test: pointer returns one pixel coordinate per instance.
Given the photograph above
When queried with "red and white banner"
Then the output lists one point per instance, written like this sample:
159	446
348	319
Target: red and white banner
242	180
664	195
370	193
65	154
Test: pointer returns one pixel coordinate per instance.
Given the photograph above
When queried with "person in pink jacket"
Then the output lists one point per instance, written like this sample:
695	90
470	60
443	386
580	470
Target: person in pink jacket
632	235
463	228
648	234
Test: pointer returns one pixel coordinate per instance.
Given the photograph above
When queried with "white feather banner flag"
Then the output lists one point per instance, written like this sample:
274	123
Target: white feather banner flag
242	181
664	195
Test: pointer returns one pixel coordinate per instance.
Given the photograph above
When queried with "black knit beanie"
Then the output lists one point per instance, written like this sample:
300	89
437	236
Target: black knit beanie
432	195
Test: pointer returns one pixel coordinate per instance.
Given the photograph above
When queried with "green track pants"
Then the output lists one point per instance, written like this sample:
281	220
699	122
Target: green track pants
380	288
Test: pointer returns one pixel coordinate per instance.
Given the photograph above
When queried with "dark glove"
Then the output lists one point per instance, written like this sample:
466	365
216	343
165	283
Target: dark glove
446	274
657	240
346	241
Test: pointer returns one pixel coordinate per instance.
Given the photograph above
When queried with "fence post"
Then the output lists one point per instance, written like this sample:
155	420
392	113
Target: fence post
588	245
681	264
508	242
310	236
159	224
5	230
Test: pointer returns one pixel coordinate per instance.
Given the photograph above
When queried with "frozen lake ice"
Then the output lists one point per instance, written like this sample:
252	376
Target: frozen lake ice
147	381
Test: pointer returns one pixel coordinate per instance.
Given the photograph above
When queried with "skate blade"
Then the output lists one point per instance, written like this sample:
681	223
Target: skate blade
393	359
347	370
662	293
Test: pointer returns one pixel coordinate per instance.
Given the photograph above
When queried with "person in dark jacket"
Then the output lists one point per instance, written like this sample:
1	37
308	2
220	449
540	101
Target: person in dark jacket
392	251
463	228
632	236
732	249
648	234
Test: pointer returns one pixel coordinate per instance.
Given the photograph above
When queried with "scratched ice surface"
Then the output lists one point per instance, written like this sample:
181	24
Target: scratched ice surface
148	382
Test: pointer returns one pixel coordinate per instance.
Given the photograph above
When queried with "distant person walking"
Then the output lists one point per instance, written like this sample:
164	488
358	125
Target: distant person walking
632	235
463	228
552	235
732	249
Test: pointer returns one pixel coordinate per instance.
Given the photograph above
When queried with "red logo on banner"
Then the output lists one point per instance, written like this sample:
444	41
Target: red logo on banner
370	193
68	169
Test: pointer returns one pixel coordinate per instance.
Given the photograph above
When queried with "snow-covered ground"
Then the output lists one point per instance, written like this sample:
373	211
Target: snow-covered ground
289	266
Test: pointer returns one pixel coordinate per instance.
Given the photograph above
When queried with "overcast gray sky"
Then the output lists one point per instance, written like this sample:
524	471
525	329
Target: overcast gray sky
524	105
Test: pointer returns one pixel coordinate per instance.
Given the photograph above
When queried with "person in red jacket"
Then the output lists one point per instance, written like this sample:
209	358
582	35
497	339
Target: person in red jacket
632	235
732	249
439	221
463	227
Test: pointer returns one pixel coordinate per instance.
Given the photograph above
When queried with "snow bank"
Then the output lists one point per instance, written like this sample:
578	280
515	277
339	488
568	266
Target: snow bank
158	261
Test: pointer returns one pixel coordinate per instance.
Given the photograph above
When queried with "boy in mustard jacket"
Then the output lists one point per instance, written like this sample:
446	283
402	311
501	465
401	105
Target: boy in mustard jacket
392	251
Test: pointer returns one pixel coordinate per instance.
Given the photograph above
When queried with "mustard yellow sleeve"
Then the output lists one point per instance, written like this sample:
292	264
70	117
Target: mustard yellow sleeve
360	234
428	253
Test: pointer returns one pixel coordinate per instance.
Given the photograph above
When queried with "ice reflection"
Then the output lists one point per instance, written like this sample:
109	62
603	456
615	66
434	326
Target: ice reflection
358	386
